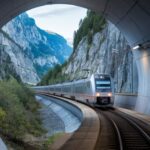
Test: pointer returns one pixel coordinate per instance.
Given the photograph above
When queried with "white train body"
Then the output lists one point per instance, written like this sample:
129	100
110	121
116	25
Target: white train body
96	90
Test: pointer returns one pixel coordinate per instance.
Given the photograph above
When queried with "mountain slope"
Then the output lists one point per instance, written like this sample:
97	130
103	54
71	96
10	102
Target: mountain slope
101	48
42	50
14	62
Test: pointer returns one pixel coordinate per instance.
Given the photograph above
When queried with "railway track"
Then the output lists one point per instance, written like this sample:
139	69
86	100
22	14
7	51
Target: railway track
107	137
121	132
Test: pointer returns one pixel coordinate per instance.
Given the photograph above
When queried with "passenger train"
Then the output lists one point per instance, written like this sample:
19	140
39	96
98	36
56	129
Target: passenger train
95	90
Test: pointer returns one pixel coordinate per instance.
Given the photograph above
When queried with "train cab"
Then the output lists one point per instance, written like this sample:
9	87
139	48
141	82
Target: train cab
103	89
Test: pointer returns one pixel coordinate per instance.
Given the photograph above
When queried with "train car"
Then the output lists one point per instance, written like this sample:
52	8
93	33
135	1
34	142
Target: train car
96	90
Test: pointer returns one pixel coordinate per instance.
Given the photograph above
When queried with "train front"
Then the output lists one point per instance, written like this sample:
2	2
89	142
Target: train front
103	90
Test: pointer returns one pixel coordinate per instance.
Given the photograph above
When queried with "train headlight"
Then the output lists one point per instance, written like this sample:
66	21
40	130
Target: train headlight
97	94
109	94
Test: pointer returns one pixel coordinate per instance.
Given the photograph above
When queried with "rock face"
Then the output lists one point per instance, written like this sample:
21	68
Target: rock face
14	62
31	51
108	53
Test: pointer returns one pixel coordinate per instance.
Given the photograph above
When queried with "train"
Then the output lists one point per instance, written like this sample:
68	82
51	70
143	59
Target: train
96	90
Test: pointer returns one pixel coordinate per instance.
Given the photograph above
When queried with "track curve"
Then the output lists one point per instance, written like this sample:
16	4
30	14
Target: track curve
125	132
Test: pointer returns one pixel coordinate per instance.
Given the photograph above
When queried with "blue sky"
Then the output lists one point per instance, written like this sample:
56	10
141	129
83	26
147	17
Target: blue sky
61	19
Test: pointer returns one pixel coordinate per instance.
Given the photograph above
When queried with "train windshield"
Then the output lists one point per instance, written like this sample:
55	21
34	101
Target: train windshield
103	85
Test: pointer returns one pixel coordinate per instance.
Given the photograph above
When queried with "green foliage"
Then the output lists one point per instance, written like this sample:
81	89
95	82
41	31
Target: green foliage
87	53
2	114
18	110
90	25
89	37
55	75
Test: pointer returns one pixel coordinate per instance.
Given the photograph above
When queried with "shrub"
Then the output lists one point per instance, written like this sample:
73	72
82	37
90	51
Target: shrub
18	110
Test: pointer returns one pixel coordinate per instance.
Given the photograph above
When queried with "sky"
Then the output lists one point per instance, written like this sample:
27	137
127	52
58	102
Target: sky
61	19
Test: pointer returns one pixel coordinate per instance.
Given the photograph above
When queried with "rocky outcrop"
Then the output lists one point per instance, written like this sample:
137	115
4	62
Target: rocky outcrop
108	53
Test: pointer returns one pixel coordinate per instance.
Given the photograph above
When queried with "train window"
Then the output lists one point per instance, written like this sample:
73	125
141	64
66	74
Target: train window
88	84
103	85
58	89
103	82
66	88
80	88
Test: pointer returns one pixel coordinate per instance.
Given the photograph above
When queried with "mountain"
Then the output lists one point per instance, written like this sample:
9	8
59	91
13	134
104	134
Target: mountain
31	49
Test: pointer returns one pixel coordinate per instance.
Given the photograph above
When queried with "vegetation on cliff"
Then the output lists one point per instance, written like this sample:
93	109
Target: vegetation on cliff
90	25
55	75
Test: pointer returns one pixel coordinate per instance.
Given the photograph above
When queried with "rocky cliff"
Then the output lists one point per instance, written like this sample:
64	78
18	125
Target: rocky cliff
108	53
14	62
30	50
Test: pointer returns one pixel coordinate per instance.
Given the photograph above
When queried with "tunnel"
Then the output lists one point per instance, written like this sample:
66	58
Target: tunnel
131	17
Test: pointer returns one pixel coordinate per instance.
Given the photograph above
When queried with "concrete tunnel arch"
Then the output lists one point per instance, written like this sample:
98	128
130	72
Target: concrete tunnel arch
132	17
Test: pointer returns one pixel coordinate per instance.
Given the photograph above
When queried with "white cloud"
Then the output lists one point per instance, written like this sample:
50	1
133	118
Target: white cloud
60	11
62	19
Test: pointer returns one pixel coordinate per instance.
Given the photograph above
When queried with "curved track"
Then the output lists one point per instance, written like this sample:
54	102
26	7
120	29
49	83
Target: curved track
120	131
107	135
114	130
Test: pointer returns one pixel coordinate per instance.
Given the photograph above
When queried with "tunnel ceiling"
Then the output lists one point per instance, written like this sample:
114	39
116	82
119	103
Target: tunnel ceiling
132	17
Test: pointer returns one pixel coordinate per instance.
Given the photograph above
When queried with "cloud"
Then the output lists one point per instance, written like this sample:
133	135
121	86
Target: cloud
60	11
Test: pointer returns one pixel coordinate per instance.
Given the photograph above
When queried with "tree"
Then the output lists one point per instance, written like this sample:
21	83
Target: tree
90	25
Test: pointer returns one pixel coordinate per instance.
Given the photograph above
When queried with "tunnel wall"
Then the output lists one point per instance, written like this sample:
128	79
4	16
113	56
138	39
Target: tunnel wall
141	101
125	101
142	58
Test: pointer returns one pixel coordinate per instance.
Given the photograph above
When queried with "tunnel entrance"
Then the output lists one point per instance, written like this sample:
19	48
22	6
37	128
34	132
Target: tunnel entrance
132	19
